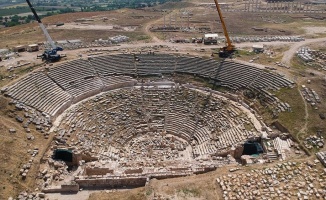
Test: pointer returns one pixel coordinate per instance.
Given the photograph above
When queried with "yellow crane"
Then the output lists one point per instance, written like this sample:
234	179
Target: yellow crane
229	48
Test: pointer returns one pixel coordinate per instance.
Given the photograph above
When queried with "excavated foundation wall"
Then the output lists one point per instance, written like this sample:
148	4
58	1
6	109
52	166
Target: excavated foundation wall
98	171
63	189
112	182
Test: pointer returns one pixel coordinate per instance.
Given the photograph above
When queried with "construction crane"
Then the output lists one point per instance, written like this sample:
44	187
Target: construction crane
49	55
229	49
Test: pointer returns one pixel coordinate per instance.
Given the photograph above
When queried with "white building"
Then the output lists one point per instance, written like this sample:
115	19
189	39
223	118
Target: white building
210	38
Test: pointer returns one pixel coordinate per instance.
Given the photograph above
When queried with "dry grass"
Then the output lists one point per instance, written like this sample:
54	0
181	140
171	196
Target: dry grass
31	33
315	122
238	24
294	120
194	187
135	194
18	72
263	59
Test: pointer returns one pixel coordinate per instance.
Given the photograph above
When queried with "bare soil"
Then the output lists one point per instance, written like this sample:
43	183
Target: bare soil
13	148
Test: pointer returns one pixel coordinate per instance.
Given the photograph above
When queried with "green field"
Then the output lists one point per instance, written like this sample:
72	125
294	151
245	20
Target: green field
14	11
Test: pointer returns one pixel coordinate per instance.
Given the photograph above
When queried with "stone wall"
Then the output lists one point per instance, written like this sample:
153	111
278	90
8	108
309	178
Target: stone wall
86	95
66	188
119	85
111	182
98	171
280	127
179	168
175	175
134	171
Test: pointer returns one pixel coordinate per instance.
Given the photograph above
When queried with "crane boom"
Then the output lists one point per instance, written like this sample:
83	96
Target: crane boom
48	37
229	48
229	44
50	55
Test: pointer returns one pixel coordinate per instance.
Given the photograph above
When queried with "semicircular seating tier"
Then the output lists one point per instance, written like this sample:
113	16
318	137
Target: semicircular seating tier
53	90
40	92
121	117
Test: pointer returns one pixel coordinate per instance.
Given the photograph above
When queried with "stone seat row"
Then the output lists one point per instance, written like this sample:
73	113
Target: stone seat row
114	80
232	137
242	74
81	76
176	124
113	65
202	135
204	149
40	92
228	73
204	67
83	86
71	71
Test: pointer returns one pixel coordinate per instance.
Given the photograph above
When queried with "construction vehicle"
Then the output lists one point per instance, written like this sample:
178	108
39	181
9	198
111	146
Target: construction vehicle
49	55
229	49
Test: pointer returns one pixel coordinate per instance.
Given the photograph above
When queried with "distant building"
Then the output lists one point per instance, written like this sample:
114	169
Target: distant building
210	38
318	2
20	48
62	42
75	41
258	48
32	47
178	40
60	24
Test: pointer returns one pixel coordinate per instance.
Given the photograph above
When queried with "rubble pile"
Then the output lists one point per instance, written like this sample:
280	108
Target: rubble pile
313	58
322	157
152	118
267	39
159	130
311	96
26	167
314	141
288	180
29	118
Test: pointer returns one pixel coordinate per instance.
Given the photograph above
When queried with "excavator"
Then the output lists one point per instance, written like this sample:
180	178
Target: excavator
229	49
49	55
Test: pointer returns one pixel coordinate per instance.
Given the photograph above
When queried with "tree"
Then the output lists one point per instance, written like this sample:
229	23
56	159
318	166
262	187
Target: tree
15	18
28	19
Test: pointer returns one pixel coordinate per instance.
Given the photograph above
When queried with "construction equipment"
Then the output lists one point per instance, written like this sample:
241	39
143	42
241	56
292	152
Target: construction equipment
49	55
229	49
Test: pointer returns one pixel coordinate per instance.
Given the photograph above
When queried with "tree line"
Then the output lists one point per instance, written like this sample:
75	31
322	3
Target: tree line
10	16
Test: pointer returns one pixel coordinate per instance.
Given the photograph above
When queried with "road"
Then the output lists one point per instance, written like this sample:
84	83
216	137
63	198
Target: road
288	55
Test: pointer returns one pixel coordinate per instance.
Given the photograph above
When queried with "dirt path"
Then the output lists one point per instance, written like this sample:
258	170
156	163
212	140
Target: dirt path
288	55
150	33
82	195
305	126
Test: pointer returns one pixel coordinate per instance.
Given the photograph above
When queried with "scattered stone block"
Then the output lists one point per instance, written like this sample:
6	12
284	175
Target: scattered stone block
12	130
